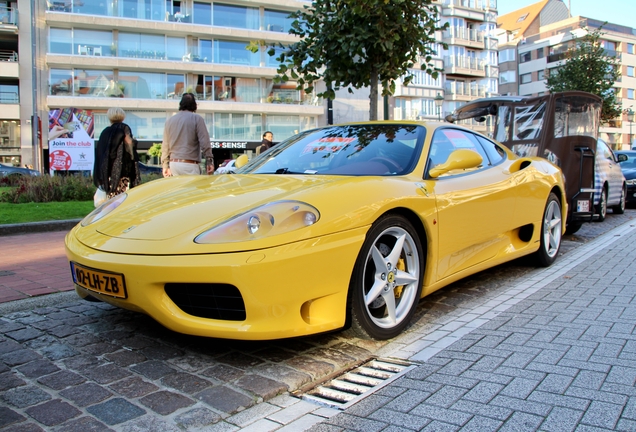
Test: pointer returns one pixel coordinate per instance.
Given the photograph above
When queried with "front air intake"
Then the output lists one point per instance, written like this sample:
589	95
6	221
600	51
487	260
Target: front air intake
207	300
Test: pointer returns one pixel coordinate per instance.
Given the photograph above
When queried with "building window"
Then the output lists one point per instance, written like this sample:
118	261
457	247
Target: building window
233	127
507	77
525	78
202	13
630	48
525	57
277	21
630	93
506	55
630	71
540	53
236	16
541	75
230	52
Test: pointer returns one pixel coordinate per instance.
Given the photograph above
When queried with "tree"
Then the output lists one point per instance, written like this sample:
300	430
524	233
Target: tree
588	67
359	43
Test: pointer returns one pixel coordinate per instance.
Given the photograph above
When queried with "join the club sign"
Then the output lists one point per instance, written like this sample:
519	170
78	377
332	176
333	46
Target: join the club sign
71	143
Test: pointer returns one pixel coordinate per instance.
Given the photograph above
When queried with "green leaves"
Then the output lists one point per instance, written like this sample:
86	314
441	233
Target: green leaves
360	43
589	67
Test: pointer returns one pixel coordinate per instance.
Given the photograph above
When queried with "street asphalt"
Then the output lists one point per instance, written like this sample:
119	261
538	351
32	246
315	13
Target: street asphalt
514	348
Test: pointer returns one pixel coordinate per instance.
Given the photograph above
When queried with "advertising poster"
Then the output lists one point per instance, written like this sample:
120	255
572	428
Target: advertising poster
71	143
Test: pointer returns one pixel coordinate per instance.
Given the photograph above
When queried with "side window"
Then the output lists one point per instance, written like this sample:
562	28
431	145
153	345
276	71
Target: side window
446	141
494	151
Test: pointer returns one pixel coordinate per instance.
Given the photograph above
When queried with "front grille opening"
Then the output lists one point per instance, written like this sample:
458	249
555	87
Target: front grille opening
356	384
206	300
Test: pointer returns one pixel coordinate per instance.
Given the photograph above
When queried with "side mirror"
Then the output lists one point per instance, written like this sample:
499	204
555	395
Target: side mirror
459	159
241	161
621	157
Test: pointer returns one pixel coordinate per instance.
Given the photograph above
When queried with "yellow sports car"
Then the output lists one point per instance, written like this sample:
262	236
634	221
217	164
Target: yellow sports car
339	227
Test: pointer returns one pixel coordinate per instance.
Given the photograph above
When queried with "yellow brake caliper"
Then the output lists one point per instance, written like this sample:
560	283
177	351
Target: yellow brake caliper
398	289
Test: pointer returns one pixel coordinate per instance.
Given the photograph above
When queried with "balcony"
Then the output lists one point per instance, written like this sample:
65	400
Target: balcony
8	17
464	65
463	36
460	91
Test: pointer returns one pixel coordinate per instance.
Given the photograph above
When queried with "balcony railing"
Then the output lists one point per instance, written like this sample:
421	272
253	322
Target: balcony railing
464	62
8	55
464	89
9	98
472	4
8	15
464	33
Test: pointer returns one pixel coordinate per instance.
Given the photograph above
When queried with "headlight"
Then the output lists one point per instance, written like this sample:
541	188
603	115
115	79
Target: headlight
630	182
267	220
104	209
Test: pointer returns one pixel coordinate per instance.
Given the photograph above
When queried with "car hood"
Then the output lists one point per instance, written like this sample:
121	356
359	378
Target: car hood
164	216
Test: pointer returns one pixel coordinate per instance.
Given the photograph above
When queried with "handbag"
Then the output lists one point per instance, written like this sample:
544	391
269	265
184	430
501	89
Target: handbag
100	197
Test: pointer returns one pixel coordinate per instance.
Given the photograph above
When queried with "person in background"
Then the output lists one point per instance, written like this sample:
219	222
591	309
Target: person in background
185	140
116	166
267	143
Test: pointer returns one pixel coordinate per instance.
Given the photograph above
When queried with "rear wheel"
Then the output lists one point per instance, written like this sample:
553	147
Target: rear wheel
550	232
620	208
387	280
601	208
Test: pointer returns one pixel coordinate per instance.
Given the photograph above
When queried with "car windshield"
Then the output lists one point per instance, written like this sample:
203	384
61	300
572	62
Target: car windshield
373	149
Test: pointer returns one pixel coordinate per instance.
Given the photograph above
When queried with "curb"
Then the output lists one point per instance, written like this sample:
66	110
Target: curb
36	227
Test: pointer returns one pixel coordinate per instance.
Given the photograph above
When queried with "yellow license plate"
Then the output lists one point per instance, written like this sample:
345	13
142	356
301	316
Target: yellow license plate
106	283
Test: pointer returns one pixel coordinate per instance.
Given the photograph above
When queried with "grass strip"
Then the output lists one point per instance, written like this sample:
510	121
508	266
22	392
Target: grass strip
40	212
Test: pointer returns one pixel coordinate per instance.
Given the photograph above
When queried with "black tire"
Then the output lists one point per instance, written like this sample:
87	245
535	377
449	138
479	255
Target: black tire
601	208
551	230
386	284
620	208
573	227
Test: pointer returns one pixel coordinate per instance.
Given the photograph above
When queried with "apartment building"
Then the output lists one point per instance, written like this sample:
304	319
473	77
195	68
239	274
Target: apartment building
142	55
469	65
9	84
531	52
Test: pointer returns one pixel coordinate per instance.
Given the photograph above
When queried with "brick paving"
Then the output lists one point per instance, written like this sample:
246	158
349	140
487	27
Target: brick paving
513	348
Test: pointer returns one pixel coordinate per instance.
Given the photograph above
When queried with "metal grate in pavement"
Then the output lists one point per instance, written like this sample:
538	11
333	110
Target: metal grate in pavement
354	385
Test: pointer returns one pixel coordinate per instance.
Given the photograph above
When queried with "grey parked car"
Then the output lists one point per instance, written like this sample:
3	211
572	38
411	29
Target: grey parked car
610	188
9	170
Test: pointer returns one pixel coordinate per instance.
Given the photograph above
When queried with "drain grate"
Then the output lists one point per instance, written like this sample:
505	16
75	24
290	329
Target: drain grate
358	383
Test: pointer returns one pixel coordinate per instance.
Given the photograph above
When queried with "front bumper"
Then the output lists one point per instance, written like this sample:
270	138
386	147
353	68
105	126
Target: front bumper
290	290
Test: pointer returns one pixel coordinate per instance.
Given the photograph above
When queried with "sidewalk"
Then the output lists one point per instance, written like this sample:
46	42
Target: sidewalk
556	352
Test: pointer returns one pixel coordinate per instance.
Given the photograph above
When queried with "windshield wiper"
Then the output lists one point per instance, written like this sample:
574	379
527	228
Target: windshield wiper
286	171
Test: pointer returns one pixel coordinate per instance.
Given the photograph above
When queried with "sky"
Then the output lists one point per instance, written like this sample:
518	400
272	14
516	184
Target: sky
613	11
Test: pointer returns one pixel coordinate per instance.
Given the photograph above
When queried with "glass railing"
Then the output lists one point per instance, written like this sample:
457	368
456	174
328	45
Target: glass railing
464	62
464	33
8	15
9	97
7	55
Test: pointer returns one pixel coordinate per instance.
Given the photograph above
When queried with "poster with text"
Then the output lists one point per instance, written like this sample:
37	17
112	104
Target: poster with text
71	143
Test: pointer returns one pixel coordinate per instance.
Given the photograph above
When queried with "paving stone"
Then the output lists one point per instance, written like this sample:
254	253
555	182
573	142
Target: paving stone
285	374
9	380
9	326
58	351
8	416
408	400
602	415
21	397
62	379
153	369
82	424
24	334
198	418
8	345
521	421
133	387
261	386
53	412
107	373
562	420
86	394
100	348
83	362
225	399
82	339
240	360
38	368
165	402
19	357
24	427
115	411
63	331
185	382
38	343
223	372
161	352
311	366
153	423
126	358
349	422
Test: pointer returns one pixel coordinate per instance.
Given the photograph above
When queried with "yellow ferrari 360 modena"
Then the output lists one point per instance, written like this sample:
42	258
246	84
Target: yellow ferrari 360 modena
342	227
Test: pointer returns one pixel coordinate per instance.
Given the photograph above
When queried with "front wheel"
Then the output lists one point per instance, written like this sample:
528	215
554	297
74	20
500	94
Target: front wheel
601	209
620	208
387	280
550	232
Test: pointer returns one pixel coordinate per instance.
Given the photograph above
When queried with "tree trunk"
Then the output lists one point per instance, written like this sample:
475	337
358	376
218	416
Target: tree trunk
373	96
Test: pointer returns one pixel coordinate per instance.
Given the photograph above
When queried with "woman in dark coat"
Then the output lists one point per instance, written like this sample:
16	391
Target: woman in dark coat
116	168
